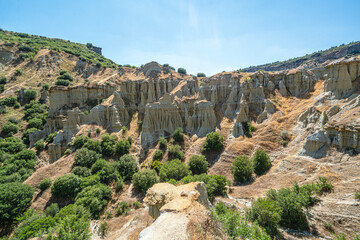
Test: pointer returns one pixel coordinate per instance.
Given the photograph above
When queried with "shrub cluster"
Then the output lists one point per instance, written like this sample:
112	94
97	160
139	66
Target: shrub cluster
174	169
213	142
248	129
198	164
144	179
178	135
181	70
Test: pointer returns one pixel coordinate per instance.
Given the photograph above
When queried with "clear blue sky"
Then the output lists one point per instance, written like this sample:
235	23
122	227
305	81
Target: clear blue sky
200	35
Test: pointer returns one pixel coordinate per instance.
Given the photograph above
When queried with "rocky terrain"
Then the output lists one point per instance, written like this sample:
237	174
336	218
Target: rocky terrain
317	107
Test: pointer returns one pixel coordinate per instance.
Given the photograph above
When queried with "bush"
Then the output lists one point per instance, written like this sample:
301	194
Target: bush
215	184
85	157
181	70
198	164
213	142
2	88
266	213
158	155
66	76
201	75
261	161
36	123
61	82
98	131
45	87
30	95
242	169
122	147
52	210
105	171
178	135
107	145
248	129
162	143
156	165
15	198
93	145
17	105
123	209
80	141
235	226
45	184
9	101
3	80
357	196
94	198
50	138
324	185
9	129
18	72
81	171
26	134
66	186
144	180
174	169
176	153
11	145
103	229
39	145
126	166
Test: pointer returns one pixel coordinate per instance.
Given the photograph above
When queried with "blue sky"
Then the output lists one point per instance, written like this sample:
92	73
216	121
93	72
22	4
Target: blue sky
200	35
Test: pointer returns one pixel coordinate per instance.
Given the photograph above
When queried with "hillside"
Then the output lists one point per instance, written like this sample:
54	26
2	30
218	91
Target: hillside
118	152
313	60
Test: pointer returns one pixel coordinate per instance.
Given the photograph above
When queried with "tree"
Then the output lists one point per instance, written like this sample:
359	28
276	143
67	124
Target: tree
9	129
30	95
201	75
45	184
122	147
261	161
62	82
15	198
126	166
178	135
81	171
105	171
174	169
85	157
66	186
213	142
108	144
181	70
198	164
162	143
80	141
36	123
158	155
144	180
39	145
242	169
176	153
52	210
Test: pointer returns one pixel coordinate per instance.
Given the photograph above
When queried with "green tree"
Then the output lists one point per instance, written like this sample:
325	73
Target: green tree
81	171
174	169
158	155
105	170
181	70
176	153
39	145
8	129
126	166
198	164
261	161
213	142
108	145
178	135
45	184
162	143
122	147
66	186
85	157
201	75
36	123
144	180
242	169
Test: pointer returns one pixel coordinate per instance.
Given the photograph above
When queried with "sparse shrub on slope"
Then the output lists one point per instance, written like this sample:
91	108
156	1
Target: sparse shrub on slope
261	161
8	129
198	164
178	135
248	129
66	186
45	184
242	169
158	155
174	169
162	143
145	179
176	153
213	142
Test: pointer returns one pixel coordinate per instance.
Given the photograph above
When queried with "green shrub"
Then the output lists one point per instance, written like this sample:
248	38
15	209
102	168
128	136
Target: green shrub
213	142
175	152
35	110
2	88
61	82
93	145
103	229
26	134
80	141
39	145
126	166
201	75
181	70
66	186
108	145
94	198
98	131
36	227
3	80
30	95
36	123
50	138
85	157
66	76
324	185
242	169
123	208
158	155
174	169
139	123
266	213
11	145
105	171
215	184
9	101
198	164
63	72
235	226
144	180
178	135
15	198
357	196
8	129
45	87
18	72
81	171
248	129
122	147
17	105
45	184
261	161
89	181
162	143
156	165
52	210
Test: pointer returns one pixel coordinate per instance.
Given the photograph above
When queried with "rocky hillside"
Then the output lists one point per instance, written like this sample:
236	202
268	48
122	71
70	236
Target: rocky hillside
316	59
113	132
